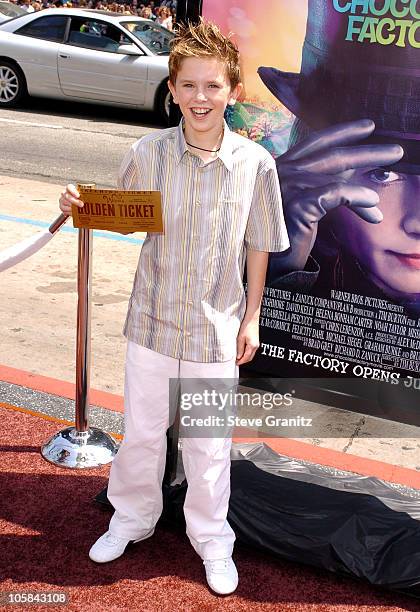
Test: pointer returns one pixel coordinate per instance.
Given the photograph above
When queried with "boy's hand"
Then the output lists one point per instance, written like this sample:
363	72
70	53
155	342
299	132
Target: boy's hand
247	341
68	197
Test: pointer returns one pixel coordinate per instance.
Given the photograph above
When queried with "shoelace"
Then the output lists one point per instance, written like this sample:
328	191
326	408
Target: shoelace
217	566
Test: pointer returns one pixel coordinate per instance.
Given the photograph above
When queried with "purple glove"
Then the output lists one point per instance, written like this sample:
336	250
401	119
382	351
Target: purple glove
314	178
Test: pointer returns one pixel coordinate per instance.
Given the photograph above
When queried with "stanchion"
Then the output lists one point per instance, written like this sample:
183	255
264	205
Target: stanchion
81	446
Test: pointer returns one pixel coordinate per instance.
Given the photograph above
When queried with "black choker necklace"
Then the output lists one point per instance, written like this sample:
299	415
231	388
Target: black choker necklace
201	149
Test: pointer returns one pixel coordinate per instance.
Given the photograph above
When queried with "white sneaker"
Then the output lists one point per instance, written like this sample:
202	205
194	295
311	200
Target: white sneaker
109	547
222	575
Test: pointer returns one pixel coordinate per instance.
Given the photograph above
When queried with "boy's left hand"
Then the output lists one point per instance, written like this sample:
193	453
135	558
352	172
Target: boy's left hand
247	342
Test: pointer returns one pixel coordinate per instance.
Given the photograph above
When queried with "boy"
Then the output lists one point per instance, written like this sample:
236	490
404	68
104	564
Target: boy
188	316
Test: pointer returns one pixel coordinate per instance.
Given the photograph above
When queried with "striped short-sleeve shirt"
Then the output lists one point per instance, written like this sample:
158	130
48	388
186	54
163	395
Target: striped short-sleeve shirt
188	298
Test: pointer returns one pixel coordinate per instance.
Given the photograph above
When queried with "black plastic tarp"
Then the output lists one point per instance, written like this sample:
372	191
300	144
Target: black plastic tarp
353	525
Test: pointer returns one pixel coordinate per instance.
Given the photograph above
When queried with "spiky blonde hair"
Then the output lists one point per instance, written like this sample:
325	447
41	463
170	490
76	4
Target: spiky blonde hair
204	39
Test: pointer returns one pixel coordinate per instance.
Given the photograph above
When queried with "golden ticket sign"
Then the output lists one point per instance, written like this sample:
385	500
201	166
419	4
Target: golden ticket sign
119	211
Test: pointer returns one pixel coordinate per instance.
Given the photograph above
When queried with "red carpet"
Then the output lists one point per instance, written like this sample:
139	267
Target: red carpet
48	522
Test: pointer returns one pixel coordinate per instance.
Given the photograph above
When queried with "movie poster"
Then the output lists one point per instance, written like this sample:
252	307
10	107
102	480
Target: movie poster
332	90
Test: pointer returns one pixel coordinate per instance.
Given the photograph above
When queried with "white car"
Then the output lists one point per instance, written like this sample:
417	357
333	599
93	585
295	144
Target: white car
85	55
8	10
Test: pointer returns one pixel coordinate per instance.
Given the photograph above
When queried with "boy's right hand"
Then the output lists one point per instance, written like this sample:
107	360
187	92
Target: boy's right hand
68	197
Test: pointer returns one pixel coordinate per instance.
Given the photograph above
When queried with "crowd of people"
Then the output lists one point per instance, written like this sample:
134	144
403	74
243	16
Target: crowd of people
163	12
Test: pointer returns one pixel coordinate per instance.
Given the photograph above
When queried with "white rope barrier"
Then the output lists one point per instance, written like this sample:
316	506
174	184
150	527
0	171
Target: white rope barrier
20	251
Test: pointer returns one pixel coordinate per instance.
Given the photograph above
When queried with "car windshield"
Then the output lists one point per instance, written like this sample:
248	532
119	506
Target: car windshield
155	37
11	10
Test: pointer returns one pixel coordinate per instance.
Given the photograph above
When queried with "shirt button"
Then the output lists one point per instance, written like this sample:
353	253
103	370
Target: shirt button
190	302
198	203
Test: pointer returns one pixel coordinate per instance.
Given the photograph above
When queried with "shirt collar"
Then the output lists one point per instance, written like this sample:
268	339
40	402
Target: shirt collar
226	148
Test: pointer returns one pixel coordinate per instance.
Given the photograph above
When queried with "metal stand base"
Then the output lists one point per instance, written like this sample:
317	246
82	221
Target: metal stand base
72	449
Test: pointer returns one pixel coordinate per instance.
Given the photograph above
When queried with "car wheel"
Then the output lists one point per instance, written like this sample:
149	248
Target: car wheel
163	103
12	84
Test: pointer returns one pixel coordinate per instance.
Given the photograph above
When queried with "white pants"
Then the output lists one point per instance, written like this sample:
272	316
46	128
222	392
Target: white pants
135	483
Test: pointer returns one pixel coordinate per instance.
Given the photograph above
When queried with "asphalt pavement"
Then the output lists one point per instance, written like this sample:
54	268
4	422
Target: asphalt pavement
59	142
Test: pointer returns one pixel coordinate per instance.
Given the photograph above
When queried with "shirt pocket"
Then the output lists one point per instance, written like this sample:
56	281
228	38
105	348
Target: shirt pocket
228	224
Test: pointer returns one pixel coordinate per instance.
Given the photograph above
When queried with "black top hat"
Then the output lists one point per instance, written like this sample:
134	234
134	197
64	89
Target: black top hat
347	74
